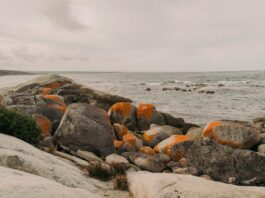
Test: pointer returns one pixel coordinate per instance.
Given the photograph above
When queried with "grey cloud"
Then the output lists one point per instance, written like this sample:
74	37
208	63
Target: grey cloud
59	13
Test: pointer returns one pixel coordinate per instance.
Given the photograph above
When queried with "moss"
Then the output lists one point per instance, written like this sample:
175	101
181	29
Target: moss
19	125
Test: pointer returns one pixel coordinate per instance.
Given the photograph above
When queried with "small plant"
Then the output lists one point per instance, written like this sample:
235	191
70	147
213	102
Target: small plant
101	171
19	125
121	182
105	171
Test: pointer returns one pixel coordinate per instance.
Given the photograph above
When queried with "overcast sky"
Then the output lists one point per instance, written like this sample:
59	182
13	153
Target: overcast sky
132	35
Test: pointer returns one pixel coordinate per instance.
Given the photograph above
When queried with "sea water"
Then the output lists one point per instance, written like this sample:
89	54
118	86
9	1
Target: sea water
231	95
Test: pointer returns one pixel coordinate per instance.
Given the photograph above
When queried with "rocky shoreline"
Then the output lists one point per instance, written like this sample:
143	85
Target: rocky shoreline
87	132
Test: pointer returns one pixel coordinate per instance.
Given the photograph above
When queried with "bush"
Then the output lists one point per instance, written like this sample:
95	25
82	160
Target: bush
18	125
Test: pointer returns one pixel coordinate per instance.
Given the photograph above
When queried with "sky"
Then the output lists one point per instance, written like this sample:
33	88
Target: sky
132	35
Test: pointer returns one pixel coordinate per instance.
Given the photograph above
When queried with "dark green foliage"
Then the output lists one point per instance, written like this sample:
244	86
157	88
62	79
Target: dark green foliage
18	125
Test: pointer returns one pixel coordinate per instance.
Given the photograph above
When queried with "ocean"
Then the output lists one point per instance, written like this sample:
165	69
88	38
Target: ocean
196	97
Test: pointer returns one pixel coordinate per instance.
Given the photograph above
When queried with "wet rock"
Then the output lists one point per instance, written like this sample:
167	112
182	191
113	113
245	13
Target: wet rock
124	113
145	162
233	133
222	161
147	115
166	145
87	128
157	134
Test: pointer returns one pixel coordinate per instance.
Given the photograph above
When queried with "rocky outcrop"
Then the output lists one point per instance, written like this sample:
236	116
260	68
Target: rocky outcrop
161	185
124	113
49	95
87	128
236	134
222	162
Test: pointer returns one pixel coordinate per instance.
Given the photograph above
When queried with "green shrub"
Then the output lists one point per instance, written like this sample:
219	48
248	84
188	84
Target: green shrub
18	125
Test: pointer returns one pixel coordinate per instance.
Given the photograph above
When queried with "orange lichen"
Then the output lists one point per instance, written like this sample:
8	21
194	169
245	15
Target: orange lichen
122	108
165	146
54	85
56	98
123	131
149	137
147	150
61	108
130	138
208	130
117	144
46	91
44	124
145	110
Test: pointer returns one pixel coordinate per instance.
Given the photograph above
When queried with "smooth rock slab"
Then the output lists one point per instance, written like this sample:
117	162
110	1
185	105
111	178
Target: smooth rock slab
166	185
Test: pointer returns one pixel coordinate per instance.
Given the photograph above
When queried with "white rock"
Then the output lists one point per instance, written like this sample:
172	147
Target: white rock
116	159
14	184
89	156
16	154
166	185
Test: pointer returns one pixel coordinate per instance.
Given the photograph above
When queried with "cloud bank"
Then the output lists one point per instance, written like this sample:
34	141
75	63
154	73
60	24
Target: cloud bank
138	35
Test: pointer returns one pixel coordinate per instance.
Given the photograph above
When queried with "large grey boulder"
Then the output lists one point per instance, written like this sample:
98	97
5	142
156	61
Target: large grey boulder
222	162
87	128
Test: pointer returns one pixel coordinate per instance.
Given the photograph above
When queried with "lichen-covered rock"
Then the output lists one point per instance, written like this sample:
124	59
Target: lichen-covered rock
236	134
147	115
133	140
157	134
166	145
124	113
222	161
147	150
120	130
145	162
44	124
87	128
